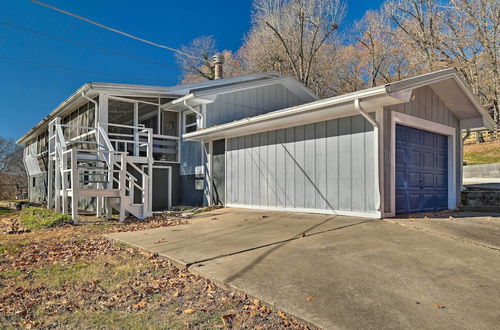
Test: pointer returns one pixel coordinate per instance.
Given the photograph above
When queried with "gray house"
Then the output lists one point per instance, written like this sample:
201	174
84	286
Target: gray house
114	146
258	141
392	149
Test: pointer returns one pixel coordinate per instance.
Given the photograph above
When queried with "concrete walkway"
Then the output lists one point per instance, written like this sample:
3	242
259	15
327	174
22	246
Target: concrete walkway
338	272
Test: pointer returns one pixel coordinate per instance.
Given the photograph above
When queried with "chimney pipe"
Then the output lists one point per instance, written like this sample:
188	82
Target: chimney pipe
218	60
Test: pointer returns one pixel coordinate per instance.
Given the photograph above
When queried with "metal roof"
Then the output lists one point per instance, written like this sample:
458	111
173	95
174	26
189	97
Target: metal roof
149	90
448	84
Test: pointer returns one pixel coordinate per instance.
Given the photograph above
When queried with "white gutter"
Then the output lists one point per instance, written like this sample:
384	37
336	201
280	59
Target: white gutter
177	101
359	108
280	114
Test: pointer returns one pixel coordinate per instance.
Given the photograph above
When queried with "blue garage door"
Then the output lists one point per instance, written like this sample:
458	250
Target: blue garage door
421	171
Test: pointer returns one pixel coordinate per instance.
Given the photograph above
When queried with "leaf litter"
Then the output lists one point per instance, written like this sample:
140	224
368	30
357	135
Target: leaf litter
49	276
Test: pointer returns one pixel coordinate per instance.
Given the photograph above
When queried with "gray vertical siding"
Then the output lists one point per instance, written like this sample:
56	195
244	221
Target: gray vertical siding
425	104
250	102
324	166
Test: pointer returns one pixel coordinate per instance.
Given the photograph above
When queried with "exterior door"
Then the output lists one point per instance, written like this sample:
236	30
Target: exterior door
161	188
219	172
421	171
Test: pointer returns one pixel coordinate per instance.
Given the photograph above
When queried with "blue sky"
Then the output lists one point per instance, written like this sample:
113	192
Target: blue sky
29	92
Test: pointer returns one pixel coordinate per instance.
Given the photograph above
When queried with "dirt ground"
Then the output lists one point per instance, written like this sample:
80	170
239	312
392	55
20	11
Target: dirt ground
72	277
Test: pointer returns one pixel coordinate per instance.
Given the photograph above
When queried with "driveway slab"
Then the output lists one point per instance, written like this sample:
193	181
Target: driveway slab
340	272
474	227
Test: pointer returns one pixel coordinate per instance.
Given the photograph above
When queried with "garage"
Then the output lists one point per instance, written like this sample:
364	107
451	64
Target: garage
390	150
421	170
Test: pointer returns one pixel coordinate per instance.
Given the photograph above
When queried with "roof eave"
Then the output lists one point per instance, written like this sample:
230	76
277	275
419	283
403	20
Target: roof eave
77	94
370	99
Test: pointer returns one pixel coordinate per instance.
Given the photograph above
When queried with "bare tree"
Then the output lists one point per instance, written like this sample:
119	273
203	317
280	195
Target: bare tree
197	70
11	157
289	36
199	67
380	49
479	29
420	22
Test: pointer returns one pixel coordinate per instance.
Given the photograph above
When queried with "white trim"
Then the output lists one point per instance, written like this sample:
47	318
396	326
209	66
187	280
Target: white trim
374	215
225	171
379	117
430	126
209	172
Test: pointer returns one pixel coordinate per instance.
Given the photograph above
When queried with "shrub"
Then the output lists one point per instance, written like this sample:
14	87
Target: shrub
40	217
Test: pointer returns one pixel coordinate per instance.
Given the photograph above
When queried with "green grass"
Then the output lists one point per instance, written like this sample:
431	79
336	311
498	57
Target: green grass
39	217
4	210
484	153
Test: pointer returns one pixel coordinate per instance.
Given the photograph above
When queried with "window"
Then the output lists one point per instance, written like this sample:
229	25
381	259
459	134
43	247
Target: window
170	123
190	124
34	182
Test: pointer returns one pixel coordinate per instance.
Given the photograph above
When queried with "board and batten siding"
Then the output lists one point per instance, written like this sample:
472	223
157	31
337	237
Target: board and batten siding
424	104
250	102
326	166
237	105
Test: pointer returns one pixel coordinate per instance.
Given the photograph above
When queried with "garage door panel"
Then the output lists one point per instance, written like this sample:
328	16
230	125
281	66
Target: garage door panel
441	161
426	188
428	180
415	158
441	181
401	157
428	159
414	179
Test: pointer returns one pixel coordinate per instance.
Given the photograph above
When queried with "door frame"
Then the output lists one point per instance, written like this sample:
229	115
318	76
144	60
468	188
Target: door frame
169	183
398	118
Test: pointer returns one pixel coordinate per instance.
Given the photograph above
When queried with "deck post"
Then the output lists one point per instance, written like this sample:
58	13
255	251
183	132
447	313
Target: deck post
99	200
123	172
74	186
57	184
64	182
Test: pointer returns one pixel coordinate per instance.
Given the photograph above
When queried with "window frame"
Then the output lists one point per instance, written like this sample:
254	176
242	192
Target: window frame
184	125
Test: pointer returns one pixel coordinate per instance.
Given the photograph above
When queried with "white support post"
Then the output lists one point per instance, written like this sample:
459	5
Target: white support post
57	184
74	186
136	131
51	167
64	181
123	172
102	122
150	187
99	199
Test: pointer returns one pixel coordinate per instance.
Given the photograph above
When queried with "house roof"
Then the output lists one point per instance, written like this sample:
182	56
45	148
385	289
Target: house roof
447	84
200	89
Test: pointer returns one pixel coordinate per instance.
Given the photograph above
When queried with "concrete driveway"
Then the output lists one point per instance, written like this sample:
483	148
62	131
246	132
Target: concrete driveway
341	272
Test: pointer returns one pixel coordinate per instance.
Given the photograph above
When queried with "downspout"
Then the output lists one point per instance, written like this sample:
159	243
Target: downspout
359	108
193	109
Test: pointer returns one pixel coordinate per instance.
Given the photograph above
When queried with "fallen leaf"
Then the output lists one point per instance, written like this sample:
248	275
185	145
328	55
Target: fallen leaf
226	319
189	311
141	304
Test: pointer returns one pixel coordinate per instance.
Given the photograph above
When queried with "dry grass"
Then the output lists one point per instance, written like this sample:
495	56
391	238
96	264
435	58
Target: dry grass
71	277
484	153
